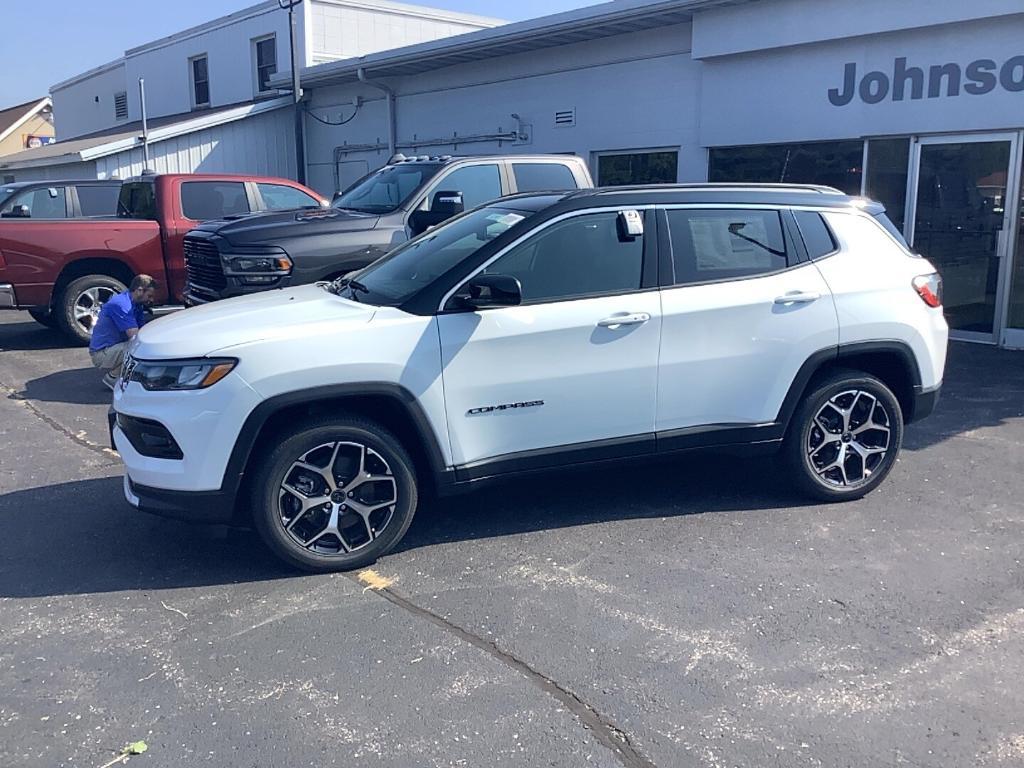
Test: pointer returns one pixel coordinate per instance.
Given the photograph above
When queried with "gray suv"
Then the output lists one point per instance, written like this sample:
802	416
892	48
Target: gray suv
250	253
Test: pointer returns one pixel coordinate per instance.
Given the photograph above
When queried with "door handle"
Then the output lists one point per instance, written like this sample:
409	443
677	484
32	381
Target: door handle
797	297
617	321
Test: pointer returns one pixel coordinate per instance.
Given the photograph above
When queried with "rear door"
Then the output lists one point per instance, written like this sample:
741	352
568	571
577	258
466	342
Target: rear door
571	373
743	310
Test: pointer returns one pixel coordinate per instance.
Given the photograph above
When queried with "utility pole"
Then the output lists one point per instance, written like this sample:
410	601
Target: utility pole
300	150
145	129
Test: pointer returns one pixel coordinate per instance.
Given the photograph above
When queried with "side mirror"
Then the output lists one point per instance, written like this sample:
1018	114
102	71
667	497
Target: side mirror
52	192
18	212
487	291
443	206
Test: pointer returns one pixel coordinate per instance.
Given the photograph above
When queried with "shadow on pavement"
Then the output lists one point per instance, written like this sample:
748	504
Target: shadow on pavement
30	335
81	537
984	387
80	386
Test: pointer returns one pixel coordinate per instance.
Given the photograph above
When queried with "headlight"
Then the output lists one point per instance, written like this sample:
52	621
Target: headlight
269	261
167	375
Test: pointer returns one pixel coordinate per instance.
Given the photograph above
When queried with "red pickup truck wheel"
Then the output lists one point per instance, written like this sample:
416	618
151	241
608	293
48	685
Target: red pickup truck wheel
78	306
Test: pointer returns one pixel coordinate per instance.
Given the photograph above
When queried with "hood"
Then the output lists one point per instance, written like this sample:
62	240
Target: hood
272	226
211	328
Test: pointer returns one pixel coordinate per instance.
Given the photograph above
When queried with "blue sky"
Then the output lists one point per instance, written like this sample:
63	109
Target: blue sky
44	43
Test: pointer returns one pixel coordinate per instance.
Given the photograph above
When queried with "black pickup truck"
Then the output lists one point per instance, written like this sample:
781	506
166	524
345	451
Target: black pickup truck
257	252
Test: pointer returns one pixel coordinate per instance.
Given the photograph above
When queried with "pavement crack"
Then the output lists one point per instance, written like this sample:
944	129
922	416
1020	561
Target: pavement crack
56	425
605	731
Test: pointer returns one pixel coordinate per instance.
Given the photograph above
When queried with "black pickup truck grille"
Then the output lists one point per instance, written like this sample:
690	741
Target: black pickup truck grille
203	267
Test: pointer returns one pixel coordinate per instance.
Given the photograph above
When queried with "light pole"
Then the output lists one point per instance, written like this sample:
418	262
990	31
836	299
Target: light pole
300	152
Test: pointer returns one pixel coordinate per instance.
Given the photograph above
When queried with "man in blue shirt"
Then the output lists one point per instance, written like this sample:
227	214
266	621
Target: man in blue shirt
118	323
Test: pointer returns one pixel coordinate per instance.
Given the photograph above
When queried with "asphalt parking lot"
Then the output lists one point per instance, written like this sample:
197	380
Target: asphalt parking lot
695	613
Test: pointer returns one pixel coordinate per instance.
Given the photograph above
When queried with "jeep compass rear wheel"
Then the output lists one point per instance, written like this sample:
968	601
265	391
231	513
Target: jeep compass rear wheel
335	495
845	437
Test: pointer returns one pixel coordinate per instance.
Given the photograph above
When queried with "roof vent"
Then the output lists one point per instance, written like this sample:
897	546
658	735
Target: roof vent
121	106
565	118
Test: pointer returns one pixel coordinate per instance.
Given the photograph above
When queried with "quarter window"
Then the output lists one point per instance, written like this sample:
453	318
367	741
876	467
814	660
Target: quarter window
278	197
817	237
478	184
200	81
724	244
207	200
543	177
582	256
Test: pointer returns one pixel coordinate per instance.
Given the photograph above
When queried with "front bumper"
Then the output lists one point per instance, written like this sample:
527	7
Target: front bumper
8	298
213	507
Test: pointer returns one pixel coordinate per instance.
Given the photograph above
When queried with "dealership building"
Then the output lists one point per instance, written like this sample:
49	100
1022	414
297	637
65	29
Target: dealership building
917	103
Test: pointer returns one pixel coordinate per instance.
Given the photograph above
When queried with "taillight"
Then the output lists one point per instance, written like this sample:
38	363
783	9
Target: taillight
929	288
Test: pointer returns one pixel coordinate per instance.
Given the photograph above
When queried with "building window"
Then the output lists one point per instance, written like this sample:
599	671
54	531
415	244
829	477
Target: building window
199	70
832	163
888	161
640	167
265	60
121	105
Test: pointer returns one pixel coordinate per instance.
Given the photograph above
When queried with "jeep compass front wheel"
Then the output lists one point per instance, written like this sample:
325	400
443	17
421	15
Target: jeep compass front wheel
335	495
845	436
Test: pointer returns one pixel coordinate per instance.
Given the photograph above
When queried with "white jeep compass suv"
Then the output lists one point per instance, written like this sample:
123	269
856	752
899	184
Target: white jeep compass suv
539	331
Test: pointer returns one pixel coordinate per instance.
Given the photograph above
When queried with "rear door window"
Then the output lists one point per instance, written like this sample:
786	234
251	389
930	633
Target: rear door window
98	199
543	177
280	197
725	244
207	200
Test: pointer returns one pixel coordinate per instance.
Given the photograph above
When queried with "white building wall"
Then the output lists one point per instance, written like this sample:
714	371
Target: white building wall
340	30
230	59
262	145
634	91
86	104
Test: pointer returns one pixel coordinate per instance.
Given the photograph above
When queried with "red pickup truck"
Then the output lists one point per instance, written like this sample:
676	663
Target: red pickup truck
63	270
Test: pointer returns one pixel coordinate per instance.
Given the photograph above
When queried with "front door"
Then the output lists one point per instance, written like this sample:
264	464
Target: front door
570	373
962	222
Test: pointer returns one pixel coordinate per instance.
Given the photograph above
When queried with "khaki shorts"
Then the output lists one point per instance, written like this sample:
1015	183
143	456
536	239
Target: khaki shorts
110	358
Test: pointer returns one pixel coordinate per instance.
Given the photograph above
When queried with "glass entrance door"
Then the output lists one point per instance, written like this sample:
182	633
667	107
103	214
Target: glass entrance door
962	192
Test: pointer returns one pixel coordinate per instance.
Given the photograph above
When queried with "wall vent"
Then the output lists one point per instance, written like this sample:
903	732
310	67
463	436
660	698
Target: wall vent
565	118
121	106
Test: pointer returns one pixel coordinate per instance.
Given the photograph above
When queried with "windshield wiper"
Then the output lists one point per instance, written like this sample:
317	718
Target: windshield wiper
347	282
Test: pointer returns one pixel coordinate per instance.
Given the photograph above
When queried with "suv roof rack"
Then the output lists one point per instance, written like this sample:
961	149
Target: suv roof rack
820	189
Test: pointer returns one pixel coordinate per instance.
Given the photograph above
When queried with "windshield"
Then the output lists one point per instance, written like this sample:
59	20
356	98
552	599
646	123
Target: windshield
387	189
415	265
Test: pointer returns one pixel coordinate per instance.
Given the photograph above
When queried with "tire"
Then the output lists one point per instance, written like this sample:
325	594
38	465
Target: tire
44	317
845	436
305	538
77	308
